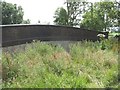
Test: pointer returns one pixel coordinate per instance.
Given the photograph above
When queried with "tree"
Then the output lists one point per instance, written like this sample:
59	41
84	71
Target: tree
72	15
96	20
61	16
75	11
12	14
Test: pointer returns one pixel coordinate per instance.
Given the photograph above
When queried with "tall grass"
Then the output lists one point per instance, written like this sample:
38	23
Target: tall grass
44	65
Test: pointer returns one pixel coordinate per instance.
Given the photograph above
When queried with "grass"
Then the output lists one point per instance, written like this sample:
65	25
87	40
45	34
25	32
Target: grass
43	65
114	33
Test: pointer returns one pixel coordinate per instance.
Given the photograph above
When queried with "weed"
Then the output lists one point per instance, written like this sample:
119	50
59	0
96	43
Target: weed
44	65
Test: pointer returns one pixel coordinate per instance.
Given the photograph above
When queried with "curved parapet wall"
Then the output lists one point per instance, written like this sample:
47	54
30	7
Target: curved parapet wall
20	34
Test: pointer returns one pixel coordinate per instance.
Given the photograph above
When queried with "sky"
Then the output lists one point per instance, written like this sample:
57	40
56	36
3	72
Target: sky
42	10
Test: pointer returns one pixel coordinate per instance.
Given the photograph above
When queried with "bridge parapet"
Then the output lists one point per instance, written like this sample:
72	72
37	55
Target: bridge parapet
20	34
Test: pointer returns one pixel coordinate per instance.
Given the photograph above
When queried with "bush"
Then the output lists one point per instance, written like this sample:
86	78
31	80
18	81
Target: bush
43	65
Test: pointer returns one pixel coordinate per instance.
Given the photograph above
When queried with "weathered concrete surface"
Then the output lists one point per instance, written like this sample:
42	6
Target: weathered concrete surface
17	48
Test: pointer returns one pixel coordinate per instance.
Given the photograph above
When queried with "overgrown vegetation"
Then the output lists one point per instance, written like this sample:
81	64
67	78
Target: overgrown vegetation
43	65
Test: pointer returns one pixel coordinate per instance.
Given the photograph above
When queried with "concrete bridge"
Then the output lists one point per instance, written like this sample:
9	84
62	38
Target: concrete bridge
20	34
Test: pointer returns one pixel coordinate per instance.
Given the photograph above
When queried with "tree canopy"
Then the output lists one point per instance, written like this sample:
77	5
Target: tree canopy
104	14
71	16
94	16
61	17
12	14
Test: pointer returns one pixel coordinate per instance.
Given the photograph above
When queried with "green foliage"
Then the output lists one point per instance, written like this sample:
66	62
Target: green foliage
12	14
75	11
94	19
71	16
93	15
61	17
44	65
92	23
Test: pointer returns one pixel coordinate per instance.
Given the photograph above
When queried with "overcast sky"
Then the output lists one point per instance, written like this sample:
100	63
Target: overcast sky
42	10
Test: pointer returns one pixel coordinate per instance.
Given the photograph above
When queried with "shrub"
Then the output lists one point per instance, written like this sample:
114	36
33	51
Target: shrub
44	65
